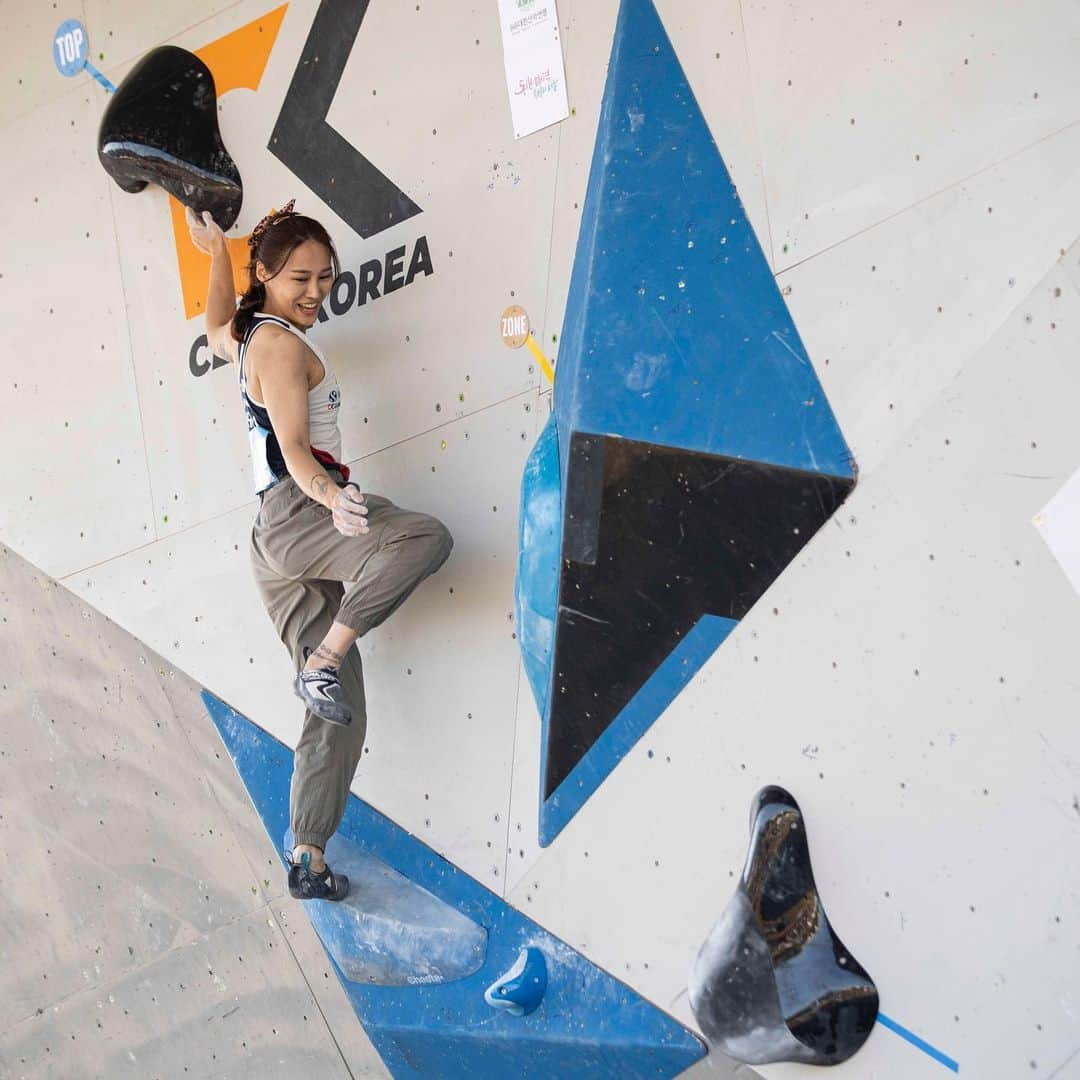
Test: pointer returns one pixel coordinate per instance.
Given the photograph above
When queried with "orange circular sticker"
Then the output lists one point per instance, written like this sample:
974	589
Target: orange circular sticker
514	326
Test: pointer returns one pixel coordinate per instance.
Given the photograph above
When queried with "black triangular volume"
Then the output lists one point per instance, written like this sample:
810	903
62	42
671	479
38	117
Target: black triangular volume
654	538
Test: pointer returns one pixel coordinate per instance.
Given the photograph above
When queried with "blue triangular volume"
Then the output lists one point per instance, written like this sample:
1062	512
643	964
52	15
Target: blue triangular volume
678	354
536	590
675	331
587	1025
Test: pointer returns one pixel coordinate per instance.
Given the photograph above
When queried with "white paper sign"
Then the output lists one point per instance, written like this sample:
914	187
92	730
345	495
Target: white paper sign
532	56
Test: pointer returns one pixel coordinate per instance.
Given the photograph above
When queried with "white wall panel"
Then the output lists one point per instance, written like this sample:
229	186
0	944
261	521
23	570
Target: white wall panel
432	350
867	109
522	844
123	32
892	315
910	678
75	489
194	428
442	674
30	76
522	840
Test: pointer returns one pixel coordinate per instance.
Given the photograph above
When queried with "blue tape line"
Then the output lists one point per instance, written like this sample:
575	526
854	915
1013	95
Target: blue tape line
914	1039
101	78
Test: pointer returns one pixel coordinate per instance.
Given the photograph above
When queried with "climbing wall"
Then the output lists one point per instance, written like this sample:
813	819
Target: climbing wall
900	190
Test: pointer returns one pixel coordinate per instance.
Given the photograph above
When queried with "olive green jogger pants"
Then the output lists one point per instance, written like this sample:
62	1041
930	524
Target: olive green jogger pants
309	575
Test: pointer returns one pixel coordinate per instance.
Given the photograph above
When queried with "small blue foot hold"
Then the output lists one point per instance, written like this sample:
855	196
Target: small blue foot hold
520	991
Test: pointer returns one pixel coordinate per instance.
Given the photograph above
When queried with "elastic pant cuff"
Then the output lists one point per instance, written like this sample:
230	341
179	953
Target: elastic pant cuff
312	838
360	630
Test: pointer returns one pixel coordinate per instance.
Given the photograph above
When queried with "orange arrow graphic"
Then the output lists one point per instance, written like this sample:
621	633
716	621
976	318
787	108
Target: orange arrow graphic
236	60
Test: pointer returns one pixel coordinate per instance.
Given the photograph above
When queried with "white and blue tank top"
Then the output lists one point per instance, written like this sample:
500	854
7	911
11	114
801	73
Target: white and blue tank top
324	400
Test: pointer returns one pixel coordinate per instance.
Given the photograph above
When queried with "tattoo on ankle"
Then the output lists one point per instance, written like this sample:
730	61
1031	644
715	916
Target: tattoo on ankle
324	652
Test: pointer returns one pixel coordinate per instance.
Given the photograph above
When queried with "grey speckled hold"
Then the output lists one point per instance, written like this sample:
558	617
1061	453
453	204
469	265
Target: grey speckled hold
389	931
773	982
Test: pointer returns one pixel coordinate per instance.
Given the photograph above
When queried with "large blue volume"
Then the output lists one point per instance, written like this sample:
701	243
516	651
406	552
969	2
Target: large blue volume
678	358
587	1024
675	331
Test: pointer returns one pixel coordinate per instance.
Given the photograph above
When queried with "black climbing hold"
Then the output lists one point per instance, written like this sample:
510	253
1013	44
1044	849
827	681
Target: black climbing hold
161	127
773	982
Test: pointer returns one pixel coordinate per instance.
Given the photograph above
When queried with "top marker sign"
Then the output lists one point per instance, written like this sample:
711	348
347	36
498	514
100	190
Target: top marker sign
70	47
71	51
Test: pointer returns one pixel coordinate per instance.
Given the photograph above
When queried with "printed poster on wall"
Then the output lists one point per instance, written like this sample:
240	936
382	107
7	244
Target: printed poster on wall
532	56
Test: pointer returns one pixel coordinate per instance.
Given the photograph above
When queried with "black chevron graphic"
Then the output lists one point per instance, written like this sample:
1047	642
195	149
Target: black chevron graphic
305	142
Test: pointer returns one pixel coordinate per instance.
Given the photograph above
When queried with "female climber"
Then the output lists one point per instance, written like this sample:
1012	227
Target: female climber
315	531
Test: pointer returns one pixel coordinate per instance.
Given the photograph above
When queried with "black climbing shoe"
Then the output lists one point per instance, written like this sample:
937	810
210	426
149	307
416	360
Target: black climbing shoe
305	884
320	690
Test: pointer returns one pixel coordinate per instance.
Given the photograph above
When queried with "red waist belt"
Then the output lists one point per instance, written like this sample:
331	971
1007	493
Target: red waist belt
327	462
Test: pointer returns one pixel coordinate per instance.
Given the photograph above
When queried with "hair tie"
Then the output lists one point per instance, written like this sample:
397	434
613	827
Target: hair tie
270	220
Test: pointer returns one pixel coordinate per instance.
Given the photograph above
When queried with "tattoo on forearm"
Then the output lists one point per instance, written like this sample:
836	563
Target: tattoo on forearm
324	652
320	484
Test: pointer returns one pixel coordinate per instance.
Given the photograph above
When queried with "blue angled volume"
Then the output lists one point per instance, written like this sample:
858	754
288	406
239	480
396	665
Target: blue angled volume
675	331
691	453
586	1024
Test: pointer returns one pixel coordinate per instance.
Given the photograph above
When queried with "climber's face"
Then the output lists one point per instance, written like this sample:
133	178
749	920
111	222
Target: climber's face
301	285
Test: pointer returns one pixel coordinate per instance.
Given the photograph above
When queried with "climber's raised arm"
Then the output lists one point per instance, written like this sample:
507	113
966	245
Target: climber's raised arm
221	292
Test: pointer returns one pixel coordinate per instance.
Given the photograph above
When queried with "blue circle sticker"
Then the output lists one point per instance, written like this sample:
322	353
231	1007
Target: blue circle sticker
70	47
